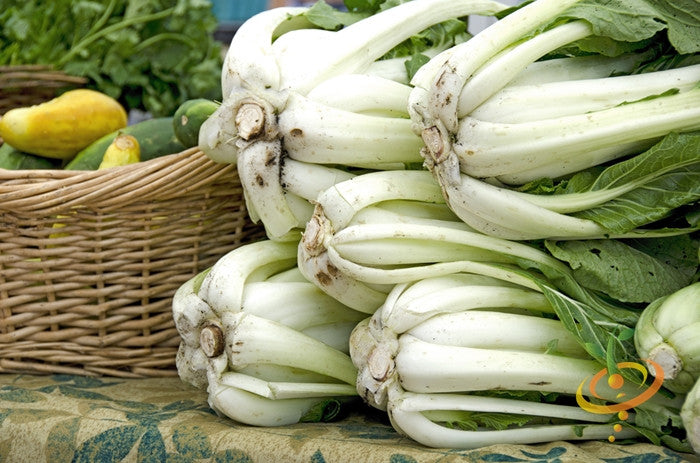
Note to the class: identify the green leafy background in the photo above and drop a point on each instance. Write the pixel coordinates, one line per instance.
(150, 54)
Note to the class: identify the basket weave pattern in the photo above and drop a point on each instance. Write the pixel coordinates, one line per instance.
(28, 85)
(90, 260)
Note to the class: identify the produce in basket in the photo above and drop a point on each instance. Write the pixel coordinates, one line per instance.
(63, 126)
(270, 348)
(13, 159)
(156, 138)
(189, 117)
(124, 150)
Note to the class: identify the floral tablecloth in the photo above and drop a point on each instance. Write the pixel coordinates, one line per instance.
(83, 419)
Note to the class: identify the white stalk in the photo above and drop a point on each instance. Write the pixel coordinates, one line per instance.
(509, 215)
(277, 390)
(690, 414)
(259, 172)
(525, 103)
(496, 249)
(498, 71)
(362, 93)
(222, 288)
(406, 213)
(217, 134)
(444, 77)
(426, 367)
(666, 333)
(316, 133)
(249, 60)
(406, 314)
(284, 374)
(408, 417)
(189, 310)
(487, 149)
(335, 334)
(412, 402)
(340, 203)
(315, 265)
(250, 340)
(308, 57)
(577, 68)
(308, 180)
(556, 168)
(484, 329)
(394, 252)
(678, 309)
(191, 364)
(298, 305)
(687, 342)
(391, 276)
(254, 410)
(292, 275)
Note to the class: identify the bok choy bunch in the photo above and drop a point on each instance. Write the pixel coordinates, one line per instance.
(380, 229)
(668, 332)
(295, 86)
(480, 113)
(270, 348)
(466, 360)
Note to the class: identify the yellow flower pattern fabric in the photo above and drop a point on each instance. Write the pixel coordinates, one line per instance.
(62, 418)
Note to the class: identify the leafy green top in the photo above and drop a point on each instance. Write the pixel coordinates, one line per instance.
(151, 54)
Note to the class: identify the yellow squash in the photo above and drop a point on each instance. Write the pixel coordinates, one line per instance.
(61, 127)
(123, 150)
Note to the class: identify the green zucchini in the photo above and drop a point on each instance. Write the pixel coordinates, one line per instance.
(14, 159)
(189, 117)
(155, 136)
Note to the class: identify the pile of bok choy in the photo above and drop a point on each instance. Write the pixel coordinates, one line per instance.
(268, 346)
(541, 175)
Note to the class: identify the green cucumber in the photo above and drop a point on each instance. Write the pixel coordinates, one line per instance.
(155, 136)
(189, 117)
(14, 159)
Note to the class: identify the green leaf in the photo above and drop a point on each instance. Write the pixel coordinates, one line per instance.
(599, 336)
(635, 20)
(329, 18)
(618, 270)
(323, 411)
(662, 179)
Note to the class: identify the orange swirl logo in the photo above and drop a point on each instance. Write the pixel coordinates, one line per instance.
(616, 381)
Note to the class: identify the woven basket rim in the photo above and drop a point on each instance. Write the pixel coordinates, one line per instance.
(33, 75)
(50, 191)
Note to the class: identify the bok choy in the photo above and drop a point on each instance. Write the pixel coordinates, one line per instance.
(467, 360)
(278, 74)
(269, 347)
(478, 119)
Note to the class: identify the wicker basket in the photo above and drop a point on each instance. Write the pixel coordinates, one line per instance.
(90, 260)
(32, 84)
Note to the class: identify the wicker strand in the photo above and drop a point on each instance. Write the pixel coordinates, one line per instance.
(90, 260)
